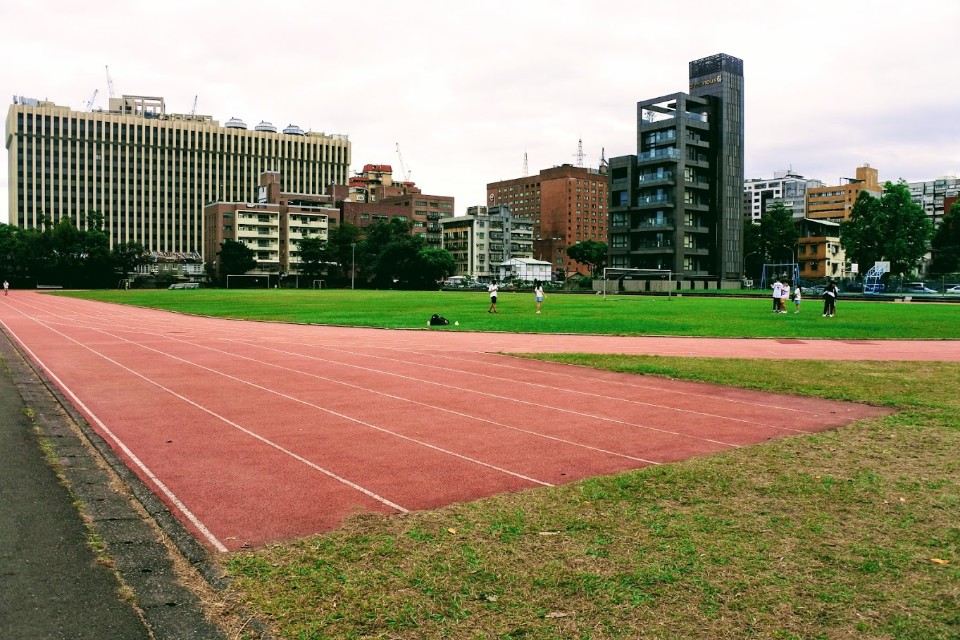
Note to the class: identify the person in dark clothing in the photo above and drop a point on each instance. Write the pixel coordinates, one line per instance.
(830, 299)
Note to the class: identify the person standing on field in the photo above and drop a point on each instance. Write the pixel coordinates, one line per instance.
(830, 299)
(538, 293)
(777, 288)
(797, 295)
(784, 296)
(493, 288)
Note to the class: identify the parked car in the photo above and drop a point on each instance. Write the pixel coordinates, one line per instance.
(918, 287)
(953, 290)
(874, 288)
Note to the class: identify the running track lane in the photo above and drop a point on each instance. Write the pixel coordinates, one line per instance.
(254, 432)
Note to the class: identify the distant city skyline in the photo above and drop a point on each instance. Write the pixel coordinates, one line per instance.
(467, 92)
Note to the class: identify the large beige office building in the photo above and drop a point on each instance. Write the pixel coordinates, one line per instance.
(149, 172)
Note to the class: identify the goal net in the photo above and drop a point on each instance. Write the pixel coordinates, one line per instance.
(318, 284)
(248, 281)
(613, 278)
(782, 270)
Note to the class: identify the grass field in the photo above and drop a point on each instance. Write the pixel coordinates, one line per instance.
(562, 313)
(852, 533)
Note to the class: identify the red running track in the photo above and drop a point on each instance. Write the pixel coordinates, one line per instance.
(254, 432)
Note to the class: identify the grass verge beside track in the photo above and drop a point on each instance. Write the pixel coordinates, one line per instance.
(562, 313)
(851, 533)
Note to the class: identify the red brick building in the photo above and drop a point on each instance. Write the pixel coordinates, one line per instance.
(374, 196)
(566, 204)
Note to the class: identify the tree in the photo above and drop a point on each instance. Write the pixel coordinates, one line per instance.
(127, 256)
(862, 234)
(430, 266)
(340, 247)
(384, 249)
(946, 243)
(236, 258)
(778, 234)
(312, 251)
(591, 253)
(891, 227)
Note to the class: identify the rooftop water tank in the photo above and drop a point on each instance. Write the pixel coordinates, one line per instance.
(265, 126)
(235, 123)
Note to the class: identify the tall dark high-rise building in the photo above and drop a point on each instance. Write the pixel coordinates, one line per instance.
(678, 203)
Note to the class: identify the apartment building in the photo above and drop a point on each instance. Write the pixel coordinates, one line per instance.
(677, 204)
(834, 203)
(373, 195)
(785, 186)
(564, 204)
(935, 195)
(491, 243)
(819, 252)
(271, 226)
(150, 172)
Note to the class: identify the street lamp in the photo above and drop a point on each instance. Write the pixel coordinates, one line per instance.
(353, 260)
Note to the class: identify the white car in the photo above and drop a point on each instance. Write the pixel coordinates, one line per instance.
(954, 289)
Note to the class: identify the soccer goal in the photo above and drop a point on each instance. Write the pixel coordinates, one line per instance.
(617, 274)
(248, 281)
(772, 271)
(318, 284)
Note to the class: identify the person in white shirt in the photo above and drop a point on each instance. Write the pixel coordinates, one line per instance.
(784, 296)
(797, 296)
(538, 294)
(493, 288)
(777, 290)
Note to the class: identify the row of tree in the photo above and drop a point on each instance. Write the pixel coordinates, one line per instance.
(66, 255)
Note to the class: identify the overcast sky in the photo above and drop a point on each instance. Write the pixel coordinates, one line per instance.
(466, 88)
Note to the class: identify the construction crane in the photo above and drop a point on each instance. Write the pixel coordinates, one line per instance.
(113, 93)
(403, 169)
(92, 99)
(193, 111)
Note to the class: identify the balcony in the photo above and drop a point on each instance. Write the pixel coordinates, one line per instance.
(669, 153)
(655, 201)
(665, 177)
(663, 222)
(652, 246)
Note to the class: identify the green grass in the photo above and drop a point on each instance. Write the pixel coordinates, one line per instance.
(562, 313)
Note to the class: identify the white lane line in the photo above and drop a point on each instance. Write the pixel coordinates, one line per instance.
(500, 397)
(579, 378)
(189, 515)
(324, 410)
(227, 421)
(403, 399)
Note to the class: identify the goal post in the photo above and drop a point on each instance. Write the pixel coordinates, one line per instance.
(779, 270)
(249, 280)
(619, 273)
(318, 284)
